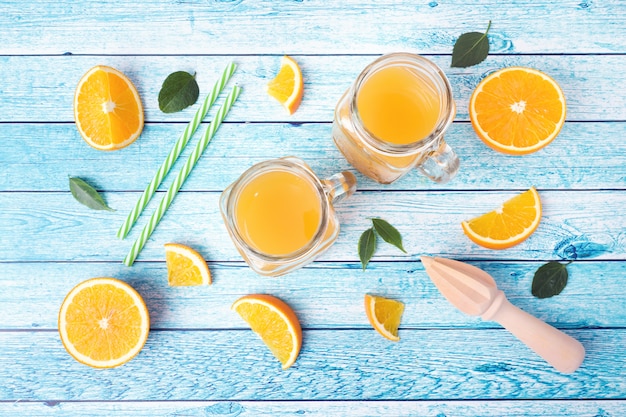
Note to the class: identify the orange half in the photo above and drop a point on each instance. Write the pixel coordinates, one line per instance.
(103, 322)
(517, 110)
(107, 109)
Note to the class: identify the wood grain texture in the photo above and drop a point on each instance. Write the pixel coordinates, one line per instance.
(577, 225)
(571, 162)
(332, 365)
(546, 408)
(41, 88)
(267, 27)
(201, 359)
(32, 294)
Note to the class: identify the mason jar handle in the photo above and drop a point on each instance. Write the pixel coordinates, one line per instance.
(340, 186)
(441, 164)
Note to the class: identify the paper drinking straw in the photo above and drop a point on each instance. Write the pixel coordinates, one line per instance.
(181, 177)
(175, 152)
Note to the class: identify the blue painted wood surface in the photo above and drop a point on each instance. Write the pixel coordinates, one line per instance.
(200, 358)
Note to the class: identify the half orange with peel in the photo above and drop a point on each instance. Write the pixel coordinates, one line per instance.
(384, 314)
(517, 110)
(512, 223)
(107, 109)
(275, 322)
(103, 322)
(287, 87)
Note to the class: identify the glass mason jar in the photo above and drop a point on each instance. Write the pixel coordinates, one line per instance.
(383, 160)
(284, 182)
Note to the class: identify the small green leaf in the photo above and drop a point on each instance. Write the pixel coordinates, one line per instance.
(367, 246)
(470, 49)
(549, 280)
(87, 195)
(389, 233)
(180, 90)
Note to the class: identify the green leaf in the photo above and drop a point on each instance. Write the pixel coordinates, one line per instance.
(549, 280)
(87, 195)
(367, 246)
(389, 233)
(470, 49)
(180, 90)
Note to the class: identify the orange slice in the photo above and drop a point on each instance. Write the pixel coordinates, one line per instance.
(287, 86)
(508, 225)
(103, 322)
(384, 315)
(276, 324)
(517, 110)
(185, 266)
(107, 109)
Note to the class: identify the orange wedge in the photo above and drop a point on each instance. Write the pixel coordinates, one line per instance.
(103, 322)
(517, 110)
(287, 86)
(384, 315)
(276, 324)
(107, 109)
(185, 266)
(508, 225)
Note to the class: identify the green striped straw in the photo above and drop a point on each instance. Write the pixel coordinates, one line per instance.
(175, 152)
(181, 177)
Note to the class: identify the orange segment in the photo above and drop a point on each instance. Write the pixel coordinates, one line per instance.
(384, 315)
(508, 225)
(517, 110)
(276, 324)
(287, 86)
(107, 109)
(185, 266)
(103, 322)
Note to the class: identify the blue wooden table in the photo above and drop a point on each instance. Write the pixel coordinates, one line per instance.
(200, 358)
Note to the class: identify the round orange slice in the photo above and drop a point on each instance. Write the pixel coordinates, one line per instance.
(103, 322)
(384, 315)
(517, 110)
(185, 266)
(107, 109)
(508, 225)
(287, 87)
(275, 322)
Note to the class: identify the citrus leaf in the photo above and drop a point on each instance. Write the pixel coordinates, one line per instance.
(179, 90)
(367, 246)
(389, 233)
(549, 280)
(87, 195)
(470, 49)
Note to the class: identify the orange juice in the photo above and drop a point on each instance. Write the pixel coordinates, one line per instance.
(397, 105)
(278, 212)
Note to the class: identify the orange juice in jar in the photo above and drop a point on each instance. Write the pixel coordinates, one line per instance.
(393, 118)
(281, 216)
(278, 212)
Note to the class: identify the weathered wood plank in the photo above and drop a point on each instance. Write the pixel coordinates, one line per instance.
(41, 88)
(32, 164)
(575, 224)
(521, 408)
(225, 27)
(323, 295)
(337, 365)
